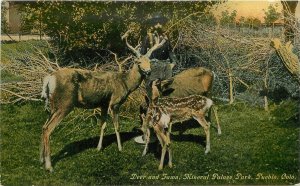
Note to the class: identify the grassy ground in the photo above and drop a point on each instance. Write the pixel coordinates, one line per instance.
(254, 148)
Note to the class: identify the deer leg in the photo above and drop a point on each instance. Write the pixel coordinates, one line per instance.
(115, 117)
(163, 154)
(163, 151)
(102, 123)
(201, 120)
(217, 119)
(42, 147)
(49, 126)
(147, 139)
(102, 128)
(164, 141)
(170, 157)
(169, 146)
(209, 115)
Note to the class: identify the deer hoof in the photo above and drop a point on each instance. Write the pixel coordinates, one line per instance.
(50, 169)
(170, 165)
(99, 148)
(207, 151)
(219, 132)
(42, 160)
(160, 167)
(144, 153)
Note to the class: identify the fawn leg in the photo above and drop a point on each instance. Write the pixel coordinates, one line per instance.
(164, 142)
(163, 152)
(147, 139)
(201, 120)
(217, 119)
(169, 146)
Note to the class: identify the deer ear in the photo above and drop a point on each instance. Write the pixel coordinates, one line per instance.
(166, 83)
(156, 82)
(172, 66)
(143, 116)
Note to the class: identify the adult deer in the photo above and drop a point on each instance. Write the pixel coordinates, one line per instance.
(68, 88)
(163, 112)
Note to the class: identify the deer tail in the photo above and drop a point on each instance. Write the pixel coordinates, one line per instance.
(49, 84)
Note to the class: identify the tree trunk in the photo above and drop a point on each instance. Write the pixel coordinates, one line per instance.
(266, 88)
(230, 88)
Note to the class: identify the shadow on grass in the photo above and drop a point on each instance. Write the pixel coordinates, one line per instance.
(155, 147)
(82, 145)
(190, 124)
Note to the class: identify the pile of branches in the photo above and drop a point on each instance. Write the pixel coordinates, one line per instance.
(246, 67)
(27, 71)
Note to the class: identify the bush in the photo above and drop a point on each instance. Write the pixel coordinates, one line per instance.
(88, 27)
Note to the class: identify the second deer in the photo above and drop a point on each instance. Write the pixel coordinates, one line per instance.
(163, 112)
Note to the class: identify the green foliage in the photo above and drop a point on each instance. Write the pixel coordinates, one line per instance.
(11, 51)
(271, 15)
(208, 18)
(242, 21)
(4, 24)
(250, 144)
(252, 22)
(92, 26)
(228, 18)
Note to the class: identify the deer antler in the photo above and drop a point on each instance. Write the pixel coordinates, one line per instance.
(156, 46)
(134, 50)
(120, 63)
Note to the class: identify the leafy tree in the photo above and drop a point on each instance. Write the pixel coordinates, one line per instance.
(208, 18)
(228, 18)
(4, 24)
(256, 23)
(252, 22)
(242, 21)
(79, 27)
(271, 15)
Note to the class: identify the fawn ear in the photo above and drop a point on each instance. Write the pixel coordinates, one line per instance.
(156, 82)
(143, 116)
(166, 83)
(172, 66)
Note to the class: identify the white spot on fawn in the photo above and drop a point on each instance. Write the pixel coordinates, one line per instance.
(164, 120)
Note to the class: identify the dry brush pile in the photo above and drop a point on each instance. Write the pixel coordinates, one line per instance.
(27, 69)
(246, 66)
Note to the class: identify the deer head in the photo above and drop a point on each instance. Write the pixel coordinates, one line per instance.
(143, 61)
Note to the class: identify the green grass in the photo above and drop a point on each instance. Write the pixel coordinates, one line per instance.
(18, 49)
(13, 53)
(253, 142)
